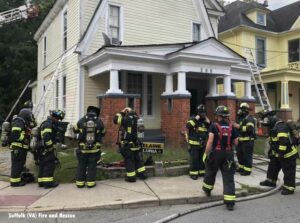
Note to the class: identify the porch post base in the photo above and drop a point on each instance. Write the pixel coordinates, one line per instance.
(285, 114)
(175, 112)
(110, 104)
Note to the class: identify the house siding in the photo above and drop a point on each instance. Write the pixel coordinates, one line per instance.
(144, 24)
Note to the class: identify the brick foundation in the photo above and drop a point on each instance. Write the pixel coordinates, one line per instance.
(110, 105)
(284, 114)
(175, 111)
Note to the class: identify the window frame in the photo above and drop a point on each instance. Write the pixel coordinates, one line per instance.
(56, 98)
(64, 92)
(121, 20)
(44, 51)
(264, 51)
(196, 23)
(64, 30)
(258, 14)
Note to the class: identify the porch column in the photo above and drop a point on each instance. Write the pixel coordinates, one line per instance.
(114, 83)
(285, 104)
(212, 87)
(248, 93)
(227, 86)
(169, 85)
(181, 84)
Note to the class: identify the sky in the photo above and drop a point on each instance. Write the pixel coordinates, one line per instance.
(275, 4)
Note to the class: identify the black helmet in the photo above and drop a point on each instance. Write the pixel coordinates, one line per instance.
(222, 110)
(26, 114)
(93, 109)
(268, 117)
(60, 115)
(200, 110)
(28, 104)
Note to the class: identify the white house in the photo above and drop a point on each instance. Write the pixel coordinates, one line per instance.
(168, 62)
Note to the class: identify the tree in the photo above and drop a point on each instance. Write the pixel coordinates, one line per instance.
(18, 54)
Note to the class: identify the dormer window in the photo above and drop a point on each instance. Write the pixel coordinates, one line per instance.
(261, 18)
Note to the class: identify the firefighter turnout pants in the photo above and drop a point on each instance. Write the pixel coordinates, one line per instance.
(245, 155)
(288, 166)
(197, 167)
(223, 160)
(87, 168)
(18, 160)
(134, 163)
(46, 168)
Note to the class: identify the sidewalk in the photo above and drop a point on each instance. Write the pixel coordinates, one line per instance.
(117, 194)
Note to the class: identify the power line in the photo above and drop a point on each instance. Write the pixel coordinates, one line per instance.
(274, 51)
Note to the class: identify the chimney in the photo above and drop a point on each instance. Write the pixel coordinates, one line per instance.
(266, 3)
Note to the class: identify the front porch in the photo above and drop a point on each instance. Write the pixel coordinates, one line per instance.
(165, 83)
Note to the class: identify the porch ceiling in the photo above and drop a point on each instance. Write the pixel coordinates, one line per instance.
(209, 56)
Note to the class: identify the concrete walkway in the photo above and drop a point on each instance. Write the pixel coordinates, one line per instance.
(117, 194)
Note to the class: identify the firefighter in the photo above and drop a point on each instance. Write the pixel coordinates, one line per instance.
(47, 159)
(283, 153)
(197, 126)
(90, 130)
(219, 155)
(19, 144)
(246, 139)
(130, 146)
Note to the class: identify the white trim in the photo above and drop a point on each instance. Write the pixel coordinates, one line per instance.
(44, 52)
(203, 16)
(93, 28)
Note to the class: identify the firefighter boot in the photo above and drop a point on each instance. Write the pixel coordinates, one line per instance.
(130, 179)
(267, 183)
(286, 191)
(50, 185)
(230, 206)
(142, 176)
(19, 184)
(207, 192)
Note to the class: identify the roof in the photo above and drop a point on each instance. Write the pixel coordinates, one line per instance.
(236, 16)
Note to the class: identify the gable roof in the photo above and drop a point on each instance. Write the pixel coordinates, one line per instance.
(236, 16)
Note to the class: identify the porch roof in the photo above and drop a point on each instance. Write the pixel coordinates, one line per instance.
(208, 56)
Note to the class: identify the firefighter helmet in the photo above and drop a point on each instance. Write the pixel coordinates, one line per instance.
(244, 106)
(266, 113)
(200, 110)
(93, 109)
(28, 104)
(222, 111)
(59, 114)
(26, 115)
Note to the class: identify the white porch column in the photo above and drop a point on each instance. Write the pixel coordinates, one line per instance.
(212, 86)
(169, 85)
(285, 104)
(114, 83)
(248, 93)
(181, 84)
(227, 86)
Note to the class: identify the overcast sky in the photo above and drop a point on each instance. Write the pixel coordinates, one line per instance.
(275, 4)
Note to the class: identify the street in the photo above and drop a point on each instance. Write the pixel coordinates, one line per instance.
(275, 209)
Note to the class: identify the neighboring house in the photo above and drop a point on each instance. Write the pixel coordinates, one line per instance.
(274, 37)
(169, 61)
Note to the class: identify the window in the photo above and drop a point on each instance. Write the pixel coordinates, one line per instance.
(57, 94)
(261, 51)
(64, 92)
(261, 18)
(143, 85)
(114, 22)
(45, 51)
(65, 30)
(196, 32)
(294, 52)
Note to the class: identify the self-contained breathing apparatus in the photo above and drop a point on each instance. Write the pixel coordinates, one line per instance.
(5, 133)
(90, 133)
